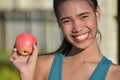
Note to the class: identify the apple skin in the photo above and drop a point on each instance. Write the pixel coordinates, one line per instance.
(24, 43)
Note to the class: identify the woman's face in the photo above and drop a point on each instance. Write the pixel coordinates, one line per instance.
(78, 22)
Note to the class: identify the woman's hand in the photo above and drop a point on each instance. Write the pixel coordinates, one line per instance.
(25, 64)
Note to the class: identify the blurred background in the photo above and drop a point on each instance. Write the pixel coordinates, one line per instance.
(37, 17)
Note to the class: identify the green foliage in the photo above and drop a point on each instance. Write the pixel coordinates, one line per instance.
(7, 70)
(8, 74)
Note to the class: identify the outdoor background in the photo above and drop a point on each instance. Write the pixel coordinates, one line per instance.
(37, 17)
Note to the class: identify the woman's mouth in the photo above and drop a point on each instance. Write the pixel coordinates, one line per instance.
(81, 38)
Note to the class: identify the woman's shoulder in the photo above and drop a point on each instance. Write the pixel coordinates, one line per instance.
(43, 66)
(114, 72)
(45, 60)
(116, 69)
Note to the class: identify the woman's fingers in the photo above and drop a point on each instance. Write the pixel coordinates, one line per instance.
(15, 58)
(14, 55)
(34, 55)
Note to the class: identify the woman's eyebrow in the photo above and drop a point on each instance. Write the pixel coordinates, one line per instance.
(64, 18)
(83, 13)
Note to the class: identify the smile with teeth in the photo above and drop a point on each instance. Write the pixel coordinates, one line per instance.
(82, 37)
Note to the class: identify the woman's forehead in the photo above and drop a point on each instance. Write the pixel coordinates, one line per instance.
(72, 8)
(74, 4)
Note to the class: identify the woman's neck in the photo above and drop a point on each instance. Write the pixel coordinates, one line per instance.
(89, 54)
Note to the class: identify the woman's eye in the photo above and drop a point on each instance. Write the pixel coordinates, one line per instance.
(84, 17)
(66, 21)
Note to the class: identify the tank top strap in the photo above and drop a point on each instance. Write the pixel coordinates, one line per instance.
(101, 69)
(56, 69)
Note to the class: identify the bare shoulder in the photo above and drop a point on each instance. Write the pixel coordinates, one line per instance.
(45, 59)
(116, 69)
(43, 66)
(114, 73)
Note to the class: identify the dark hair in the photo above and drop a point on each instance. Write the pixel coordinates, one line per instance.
(56, 3)
(66, 46)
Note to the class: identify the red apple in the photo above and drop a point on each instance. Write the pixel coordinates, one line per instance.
(24, 43)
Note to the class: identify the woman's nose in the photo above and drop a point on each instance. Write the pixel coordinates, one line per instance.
(77, 26)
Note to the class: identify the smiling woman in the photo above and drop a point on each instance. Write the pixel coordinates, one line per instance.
(78, 20)
(68, 20)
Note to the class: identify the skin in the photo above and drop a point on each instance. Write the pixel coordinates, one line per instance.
(77, 19)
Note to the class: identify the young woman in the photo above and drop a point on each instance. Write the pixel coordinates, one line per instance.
(79, 57)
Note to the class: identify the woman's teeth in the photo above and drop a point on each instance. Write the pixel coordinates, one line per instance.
(82, 37)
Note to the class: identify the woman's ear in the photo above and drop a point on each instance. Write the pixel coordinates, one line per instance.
(98, 13)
